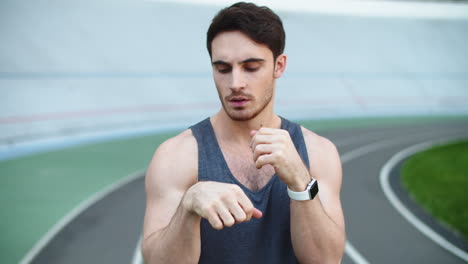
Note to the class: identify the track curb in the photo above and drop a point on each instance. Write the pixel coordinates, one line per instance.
(389, 170)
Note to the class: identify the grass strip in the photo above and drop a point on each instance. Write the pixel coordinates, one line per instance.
(437, 179)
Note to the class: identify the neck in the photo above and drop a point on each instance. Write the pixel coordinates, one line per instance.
(232, 130)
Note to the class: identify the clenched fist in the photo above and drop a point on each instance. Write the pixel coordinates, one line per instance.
(275, 147)
(221, 204)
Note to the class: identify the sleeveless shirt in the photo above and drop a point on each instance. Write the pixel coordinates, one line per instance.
(264, 240)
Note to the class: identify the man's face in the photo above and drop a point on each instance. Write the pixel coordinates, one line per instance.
(244, 73)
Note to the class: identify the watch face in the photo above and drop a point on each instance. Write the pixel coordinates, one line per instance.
(313, 190)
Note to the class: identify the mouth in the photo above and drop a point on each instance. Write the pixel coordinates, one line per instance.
(238, 101)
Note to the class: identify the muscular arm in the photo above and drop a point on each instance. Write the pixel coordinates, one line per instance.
(317, 226)
(176, 202)
(169, 226)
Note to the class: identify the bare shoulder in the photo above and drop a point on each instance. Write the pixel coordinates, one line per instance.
(185, 141)
(175, 163)
(324, 159)
(317, 143)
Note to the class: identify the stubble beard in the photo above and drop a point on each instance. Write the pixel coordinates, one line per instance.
(250, 113)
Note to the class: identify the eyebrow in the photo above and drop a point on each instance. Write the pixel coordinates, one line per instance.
(220, 62)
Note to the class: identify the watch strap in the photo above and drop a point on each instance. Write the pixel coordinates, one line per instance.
(309, 193)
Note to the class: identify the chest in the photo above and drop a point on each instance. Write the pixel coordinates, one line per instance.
(240, 162)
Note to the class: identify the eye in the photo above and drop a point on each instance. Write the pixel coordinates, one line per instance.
(252, 66)
(223, 68)
(251, 69)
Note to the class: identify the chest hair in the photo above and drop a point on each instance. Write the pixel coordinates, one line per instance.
(242, 166)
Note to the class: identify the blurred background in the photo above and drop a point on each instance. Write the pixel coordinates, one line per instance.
(114, 78)
(68, 68)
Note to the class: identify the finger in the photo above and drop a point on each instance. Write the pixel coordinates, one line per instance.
(215, 221)
(246, 206)
(265, 139)
(257, 213)
(262, 150)
(254, 142)
(226, 216)
(265, 159)
(238, 213)
(252, 134)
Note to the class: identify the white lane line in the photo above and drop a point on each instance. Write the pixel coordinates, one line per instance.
(353, 154)
(350, 250)
(33, 252)
(137, 257)
(354, 254)
(369, 8)
(423, 228)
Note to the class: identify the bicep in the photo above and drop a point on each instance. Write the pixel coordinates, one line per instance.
(329, 178)
(325, 166)
(171, 172)
(160, 206)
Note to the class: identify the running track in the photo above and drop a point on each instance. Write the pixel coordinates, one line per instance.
(108, 231)
(354, 65)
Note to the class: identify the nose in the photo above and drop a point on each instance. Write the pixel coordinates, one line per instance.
(238, 80)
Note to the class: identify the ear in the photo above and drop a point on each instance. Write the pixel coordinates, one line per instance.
(280, 66)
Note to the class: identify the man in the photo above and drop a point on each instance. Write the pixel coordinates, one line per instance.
(241, 186)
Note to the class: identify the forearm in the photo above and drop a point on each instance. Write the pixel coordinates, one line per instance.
(179, 242)
(316, 238)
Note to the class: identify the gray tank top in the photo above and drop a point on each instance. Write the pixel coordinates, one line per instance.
(264, 240)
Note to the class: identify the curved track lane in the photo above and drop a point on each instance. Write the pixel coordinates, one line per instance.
(108, 231)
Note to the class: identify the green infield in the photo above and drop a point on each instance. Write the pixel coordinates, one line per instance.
(437, 179)
(37, 191)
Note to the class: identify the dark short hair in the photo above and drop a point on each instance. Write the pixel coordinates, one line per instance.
(259, 23)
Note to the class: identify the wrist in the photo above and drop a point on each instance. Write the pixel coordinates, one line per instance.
(299, 184)
(187, 201)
